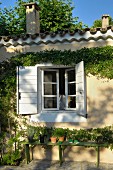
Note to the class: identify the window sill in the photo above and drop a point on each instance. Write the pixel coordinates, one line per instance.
(57, 116)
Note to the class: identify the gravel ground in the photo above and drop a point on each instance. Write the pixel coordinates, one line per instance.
(54, 165)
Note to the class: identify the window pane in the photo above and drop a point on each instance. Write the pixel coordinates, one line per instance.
(62, 102)
(71, 89)
(71, 75)
(50, 102)
(62, 81)
(71, 102)
(50, 89)
(49, 76)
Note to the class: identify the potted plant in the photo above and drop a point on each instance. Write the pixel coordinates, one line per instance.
(36, 133)
(30, 133)
(53, 137)
(43, 134)
(60, 134)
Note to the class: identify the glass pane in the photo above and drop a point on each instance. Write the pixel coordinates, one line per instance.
(62, 102)
(71, 89)
(50, 102)
(71, 102)
(50, 89)
(71, 75)
(49, 76)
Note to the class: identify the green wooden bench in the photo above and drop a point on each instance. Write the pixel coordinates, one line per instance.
(62, 146)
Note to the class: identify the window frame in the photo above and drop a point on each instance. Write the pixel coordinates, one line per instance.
(57, 85)
(57, 90)
(66, 87)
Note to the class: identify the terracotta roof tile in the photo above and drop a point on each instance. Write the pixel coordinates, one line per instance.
(86, 34)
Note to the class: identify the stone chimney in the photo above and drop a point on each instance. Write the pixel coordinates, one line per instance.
(105, 21)
(32, 18)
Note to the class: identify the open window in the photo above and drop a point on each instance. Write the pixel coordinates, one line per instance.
(50, 88)
(59, 89)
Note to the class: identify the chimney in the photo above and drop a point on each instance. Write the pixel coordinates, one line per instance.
(32, 18)
(105, 21)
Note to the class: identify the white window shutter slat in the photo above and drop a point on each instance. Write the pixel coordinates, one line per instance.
(27, 90)
(81, 89)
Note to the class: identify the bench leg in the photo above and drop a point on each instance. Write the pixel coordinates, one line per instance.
(98, 155)
(27, 153)
(60, 155)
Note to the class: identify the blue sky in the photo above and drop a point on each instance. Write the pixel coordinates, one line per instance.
(86, 10)
(90, 10)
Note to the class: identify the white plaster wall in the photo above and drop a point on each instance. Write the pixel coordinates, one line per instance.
(7, 52)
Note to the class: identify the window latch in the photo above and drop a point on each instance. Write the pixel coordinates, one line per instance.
(19, 95)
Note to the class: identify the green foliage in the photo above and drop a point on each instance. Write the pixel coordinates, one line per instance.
(98, 60)
(36, 133)
(58, 132)
(11, 158)
(54, 15)
(102, 134)
(69, 134)
(2, 137)
(97, 23)
(57, 15)
(33, 132)
(12, 155)
(81, 135)
(30, 130)
(97, 135)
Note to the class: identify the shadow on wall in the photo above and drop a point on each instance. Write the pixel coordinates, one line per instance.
(8, 52)
(99, 113)
(101, 109)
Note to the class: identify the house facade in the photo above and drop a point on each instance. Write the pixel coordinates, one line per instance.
(61, 95)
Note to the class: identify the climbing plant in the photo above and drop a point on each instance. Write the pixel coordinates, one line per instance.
(98, 61)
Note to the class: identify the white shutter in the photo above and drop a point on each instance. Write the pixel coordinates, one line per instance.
(27, 90)
(80, 89)
(39, 89)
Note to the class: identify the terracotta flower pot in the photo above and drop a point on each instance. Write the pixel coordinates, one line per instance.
(53, 139)
(61, 139)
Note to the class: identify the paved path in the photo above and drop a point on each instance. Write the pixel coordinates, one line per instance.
(54, 165)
